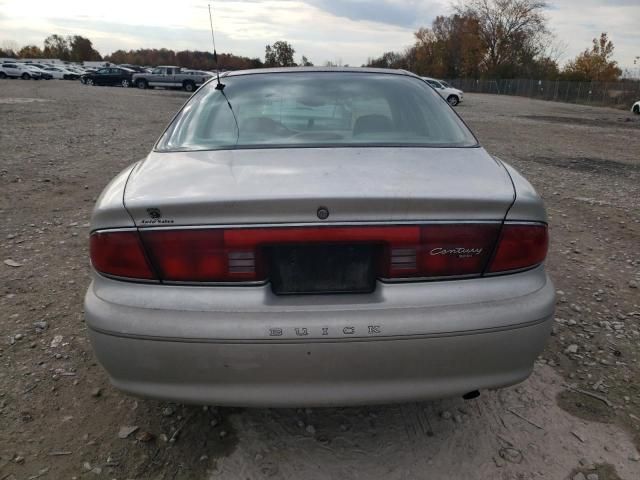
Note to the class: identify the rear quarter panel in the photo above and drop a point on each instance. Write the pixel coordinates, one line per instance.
(528, 205)
(109, 211)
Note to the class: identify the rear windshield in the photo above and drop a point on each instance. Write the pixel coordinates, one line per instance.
(315, 109)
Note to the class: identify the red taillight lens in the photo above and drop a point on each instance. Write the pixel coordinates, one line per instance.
(449, 250)
(238, 254)
(119, 254)
(444, 251)
(200, 256)
(520, 246)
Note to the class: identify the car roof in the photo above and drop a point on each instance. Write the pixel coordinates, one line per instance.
(264, 71)
(167, 66)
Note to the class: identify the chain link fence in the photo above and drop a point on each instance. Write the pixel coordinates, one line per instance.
(618, 94)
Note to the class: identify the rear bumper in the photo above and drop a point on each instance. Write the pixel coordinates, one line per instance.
(320, 374)
(433, 347)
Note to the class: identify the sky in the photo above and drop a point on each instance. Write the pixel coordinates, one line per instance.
(348, 31)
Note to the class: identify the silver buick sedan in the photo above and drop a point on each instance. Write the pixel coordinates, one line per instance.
(311, 237)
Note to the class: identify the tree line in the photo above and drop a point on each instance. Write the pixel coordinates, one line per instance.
(75, 48)
(498, 39)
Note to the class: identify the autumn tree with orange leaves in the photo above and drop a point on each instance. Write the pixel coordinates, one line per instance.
(595, 64)
(483, 38)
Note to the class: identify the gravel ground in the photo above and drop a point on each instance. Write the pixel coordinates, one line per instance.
(577, 417)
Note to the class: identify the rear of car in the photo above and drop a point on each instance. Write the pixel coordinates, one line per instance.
(310, 237)
(43, 74)
(29, 73)
(57, 72)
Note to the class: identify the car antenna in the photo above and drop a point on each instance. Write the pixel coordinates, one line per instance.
(220, 85)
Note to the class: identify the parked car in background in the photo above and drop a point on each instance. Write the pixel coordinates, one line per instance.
(61, 73)
(43, 73)
(109, 76)
(452, 95)
(87, 71)
(18, 70)
(170, 77)
(41, 66)
(636, 108)
(318, 237)
(9, 70)
(203, 73)
(74, 69)
(135, 68)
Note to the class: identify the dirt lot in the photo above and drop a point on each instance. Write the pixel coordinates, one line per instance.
(579, 413)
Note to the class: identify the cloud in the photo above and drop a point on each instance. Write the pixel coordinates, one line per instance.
(577, 22)
(350, 30)
(242, 27)
(409, 13)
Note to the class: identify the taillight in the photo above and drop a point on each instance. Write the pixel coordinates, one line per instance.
(236, 255)
(520, 246)
(444, 251)
(201, 256)
(119, 254)
(239, 254)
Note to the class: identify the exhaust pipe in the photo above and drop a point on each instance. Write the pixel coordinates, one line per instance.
(471, 395)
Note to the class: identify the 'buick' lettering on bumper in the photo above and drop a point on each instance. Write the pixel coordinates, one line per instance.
(348, 331)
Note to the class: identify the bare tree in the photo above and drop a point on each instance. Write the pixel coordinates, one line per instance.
(334, 63)
(9, 48)
(506, 28)
(56, 46)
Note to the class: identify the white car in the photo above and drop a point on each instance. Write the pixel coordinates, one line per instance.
(62, 73)
(636, 108)
(446, 91)
(38, 69)
(74, 69)
(18, 70)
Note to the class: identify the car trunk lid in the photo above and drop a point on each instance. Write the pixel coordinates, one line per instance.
(289, 186)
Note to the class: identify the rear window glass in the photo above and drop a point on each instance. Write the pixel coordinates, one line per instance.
(315, 109)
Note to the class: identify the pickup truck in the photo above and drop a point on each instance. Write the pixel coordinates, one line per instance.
(169, 77)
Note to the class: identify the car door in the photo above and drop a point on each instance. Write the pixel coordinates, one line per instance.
(101, 77)
(156, 76)
(168, 78)
(11, 70)
(174, 77)
(111, 76)
(115, 75)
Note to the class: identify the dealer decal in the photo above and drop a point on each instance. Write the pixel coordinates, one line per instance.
(156, 218)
